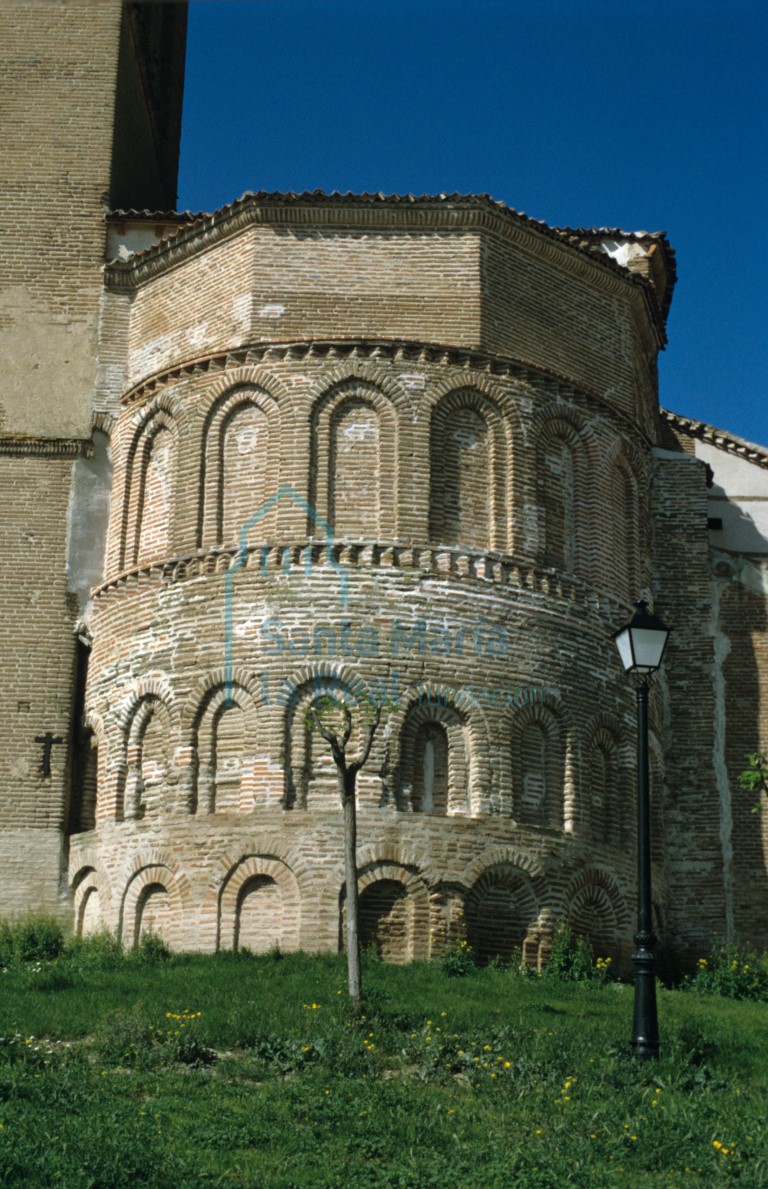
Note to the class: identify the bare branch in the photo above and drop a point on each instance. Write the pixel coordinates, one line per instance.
(337, 742)
(347, 725)
(370, 731)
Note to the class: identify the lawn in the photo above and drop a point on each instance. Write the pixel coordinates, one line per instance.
(240, 1070)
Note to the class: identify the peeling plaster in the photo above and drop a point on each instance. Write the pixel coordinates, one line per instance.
(721, 649)
(739, 498)
(37, 344)
(413, 380)
(152, 355)
(123, 241)
(753, 577)
(87, 518)
(624, 252)
(197, 336)
(241, 312)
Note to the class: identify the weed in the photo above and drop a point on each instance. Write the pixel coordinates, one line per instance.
(459, 960)
(150, 950)
(132, 1043)
(734, 971)
(98, 951)
(35, 939)
(572, 960)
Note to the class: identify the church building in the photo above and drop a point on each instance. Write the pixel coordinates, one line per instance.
(399, 449)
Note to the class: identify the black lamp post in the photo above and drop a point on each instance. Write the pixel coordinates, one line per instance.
(641, 645)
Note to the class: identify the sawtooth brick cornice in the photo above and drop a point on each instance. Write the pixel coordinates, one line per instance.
(21, 445)
(373, 350)
(451, 562)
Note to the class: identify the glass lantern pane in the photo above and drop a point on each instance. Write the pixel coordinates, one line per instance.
(624, 645)
(648, 644)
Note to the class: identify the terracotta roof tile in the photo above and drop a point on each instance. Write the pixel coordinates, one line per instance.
(720, 438)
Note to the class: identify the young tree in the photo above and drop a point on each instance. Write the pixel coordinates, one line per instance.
(331, 718)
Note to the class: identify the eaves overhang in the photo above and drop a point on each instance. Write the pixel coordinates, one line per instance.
(578, 250)
(721, 439)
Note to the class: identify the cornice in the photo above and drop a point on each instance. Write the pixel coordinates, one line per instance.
(104, 422)
(443, 213)
(342, 348)
(21, 445)
(445, 561)
(723, 440)
(399, 351)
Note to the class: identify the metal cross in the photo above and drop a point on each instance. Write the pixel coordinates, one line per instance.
(47, 741)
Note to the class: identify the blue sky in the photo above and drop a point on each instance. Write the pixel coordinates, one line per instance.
(643, 116)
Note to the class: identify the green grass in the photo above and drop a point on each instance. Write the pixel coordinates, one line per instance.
(491, 1079)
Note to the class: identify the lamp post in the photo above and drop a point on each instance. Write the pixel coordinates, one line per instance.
(641, 645)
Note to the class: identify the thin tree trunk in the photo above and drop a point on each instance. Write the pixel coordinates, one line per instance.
(347, 781)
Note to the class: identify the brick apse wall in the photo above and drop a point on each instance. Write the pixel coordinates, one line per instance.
(489, 531)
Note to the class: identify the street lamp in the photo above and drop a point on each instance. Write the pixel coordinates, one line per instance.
(641, 645)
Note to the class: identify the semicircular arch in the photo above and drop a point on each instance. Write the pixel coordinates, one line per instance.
(354, 428)
(145, 879)
(284, 905)
(468, 739)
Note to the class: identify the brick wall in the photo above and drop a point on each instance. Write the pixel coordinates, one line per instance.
(454, 779)
(448, 273)
(698, 894)
(741, 600)
(58, 61)
(59, 65)
(60, 95)
(476, 503)
(38, 650)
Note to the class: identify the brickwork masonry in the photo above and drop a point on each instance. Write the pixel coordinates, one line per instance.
(406, 448)
(450, 599)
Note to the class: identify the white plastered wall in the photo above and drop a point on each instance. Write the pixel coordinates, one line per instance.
(738, 497)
